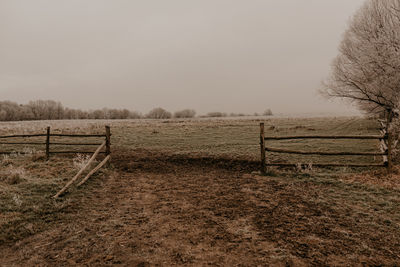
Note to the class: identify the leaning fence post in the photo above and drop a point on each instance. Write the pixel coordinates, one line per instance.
(262, 147)
(108, 141)
(48, 143)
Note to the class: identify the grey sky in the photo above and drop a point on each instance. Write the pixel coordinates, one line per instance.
(210, 55)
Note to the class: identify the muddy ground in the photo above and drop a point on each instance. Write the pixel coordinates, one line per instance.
(160, 209)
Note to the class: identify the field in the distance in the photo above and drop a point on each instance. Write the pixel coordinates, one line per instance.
(184, 192)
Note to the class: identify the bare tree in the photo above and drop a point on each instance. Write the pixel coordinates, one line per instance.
(158, 113)
(186, 113)
(216, 114)
(9, 111)
(367, 68)
(52, 110)
(135, 115)
(268, 112)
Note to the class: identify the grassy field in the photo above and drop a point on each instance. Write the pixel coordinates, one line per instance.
(220, 137)
(186, 192)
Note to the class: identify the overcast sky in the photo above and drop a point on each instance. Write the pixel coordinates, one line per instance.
(209, 55)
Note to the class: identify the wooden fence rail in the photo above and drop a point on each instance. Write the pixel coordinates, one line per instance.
(47, 142)
(22, 135)
(385, 150)
(360, 137)
(287, 151)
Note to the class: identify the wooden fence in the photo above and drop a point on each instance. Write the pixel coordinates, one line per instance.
(47, 142)
(386, 150)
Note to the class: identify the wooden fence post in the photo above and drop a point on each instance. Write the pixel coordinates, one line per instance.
(108, 141)
(48, 143)
(389, 151)
(389, 139)
(262, 148)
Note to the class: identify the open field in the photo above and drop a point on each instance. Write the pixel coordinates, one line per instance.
(185, 193)
(219, 137)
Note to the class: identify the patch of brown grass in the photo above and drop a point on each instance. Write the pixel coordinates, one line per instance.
(11, 174)
(14, 178)
(27, 184)
(161, 209)
(379, 178)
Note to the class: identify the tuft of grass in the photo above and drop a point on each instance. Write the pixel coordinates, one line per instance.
(12, 175)
(80, 161)
(13, 178)
(6, 160)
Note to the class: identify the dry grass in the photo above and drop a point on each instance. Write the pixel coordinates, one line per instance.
(378, 178)
(164, 209)
(222, 137)
(26, 186)
(180, 192)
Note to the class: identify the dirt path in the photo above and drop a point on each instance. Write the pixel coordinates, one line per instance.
(185, 211)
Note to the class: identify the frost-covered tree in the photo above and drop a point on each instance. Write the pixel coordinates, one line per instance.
(158, 113)
(186, 113)
(268, 112)
(367, 68)
(52, 110)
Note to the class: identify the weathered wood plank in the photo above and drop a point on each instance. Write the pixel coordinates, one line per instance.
(21, 135)
(80, 172)
(287, 151)
(262, 148)
(326, 165)
(14, 152)
(78, 135)
(48, 143)
(20, 143)
(108, 140)
(361, 137)
(75, 144)
(75, 152)
(101, 164)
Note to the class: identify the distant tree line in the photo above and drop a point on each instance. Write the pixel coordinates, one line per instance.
(53, 110)
(217, 114)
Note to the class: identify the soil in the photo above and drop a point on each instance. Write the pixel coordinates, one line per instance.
(161, 209)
